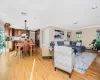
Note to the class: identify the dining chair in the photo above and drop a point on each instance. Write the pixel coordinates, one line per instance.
(26, 48)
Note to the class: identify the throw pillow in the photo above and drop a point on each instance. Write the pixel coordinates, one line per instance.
(78, 44)
(66, 43)
(55, 43)
(60, 43)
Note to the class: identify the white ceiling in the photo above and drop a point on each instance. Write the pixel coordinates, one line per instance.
(42, 13)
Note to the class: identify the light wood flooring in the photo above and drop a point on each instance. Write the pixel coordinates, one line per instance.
(21, 69)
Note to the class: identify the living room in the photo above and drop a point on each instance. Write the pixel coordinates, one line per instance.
(62, 37)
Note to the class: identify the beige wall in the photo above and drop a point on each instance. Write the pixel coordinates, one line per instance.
(88, 34)
(57, 28)
(51, 32)
(45, 40)
(1, 22)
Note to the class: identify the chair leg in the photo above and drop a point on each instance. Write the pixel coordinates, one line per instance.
(70, 75)
(20, 53)
(55, 68)
(23, 54)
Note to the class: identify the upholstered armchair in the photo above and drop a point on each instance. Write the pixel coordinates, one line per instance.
(64, 58)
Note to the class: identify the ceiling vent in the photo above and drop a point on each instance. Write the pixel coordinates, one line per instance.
(75, 23)
(23, 13)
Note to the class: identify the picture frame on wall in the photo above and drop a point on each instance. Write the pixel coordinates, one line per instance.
(68, 36)
(59, 34)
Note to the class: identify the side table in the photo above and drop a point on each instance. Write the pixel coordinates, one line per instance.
(99, 52)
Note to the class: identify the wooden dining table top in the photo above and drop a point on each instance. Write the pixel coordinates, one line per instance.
(21, 44)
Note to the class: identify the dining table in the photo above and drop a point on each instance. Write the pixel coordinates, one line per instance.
(20, 46)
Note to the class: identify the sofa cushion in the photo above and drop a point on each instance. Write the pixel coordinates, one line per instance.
(60, 43)
(55, 43)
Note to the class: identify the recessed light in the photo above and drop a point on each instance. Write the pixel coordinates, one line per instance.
(94, 7)
(75, 23)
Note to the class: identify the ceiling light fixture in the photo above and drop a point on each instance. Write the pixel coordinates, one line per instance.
(25, 24)
(34, 18)
(26, 28)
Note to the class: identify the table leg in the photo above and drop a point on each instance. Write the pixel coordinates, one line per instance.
(19, 52)
(31, 50)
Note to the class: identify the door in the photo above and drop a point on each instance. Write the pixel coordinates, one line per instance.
(46, 38)
(45, 42)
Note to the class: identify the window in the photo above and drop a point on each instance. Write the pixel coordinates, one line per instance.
(79, 36)
(2, 39)
(98, 37)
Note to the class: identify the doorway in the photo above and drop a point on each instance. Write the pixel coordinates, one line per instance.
(37, 38)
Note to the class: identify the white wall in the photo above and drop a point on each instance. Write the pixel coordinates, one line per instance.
(45, 37)
(32, 36)
(1, 22)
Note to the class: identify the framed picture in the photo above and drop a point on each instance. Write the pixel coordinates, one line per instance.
(59, 34)
(68, 36)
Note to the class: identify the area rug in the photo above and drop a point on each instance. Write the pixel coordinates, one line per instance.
(83, 61)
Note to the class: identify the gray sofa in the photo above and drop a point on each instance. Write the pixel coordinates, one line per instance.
(77, 49)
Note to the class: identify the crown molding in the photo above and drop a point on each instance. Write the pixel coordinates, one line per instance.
(87, 27)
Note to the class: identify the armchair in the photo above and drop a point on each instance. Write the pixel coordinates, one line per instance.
(64, 58)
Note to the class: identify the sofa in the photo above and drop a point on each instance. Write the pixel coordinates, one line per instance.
(77, 46)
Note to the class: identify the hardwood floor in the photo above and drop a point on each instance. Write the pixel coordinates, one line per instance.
(3, 67)
(42, 69)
